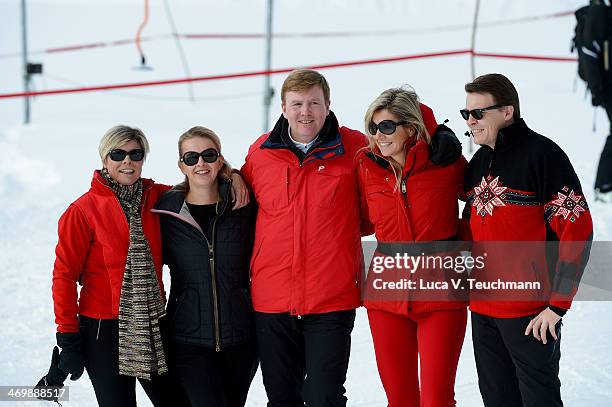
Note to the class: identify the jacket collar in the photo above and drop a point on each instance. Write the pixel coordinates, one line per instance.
(328, 144)
(417, 157)
(99, 185)
(511, 135)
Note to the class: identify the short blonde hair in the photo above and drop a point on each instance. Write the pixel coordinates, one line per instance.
(206, 133)
(304, 79)
(117, 136)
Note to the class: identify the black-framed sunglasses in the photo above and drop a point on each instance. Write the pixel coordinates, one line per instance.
(210, 155)
(119, 154)
(385, 127)
(476, 113)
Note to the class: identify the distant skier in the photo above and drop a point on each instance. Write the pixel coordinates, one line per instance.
(592, 41)
(521, 187)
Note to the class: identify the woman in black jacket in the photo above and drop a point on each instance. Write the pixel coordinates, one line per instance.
(207, 247)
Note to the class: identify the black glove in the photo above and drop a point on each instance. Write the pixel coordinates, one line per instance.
(445, 147)
(71, 358)
(596, 98)
(55, 376)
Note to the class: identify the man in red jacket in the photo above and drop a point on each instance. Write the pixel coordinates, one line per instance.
(521, 187)
(307, 259)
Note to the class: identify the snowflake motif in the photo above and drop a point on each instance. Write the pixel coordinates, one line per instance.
(568, 205)
(488, 195)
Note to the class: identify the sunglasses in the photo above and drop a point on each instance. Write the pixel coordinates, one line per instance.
(119, 155)
(385, 127)
(476, 113)
(209, 155)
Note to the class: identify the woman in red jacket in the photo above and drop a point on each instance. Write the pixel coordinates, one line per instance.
(411, 176)
(109, 242)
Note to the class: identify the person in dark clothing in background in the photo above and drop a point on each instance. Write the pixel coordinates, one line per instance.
(207, 246)
(594, 55)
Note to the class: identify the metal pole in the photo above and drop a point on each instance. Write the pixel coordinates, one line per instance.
(267, 93)
(26, 75)
(472, 62)
(473, 45)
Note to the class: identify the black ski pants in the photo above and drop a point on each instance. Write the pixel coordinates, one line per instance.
(215, 379)
(515, 370)
(101, 352)
(603, 180)
(304, 359)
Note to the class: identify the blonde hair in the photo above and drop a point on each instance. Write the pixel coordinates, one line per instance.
(404, 104)
(205, 133)
(304, 79)
(117, 136)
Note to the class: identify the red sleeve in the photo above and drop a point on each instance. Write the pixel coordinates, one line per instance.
(567, 215)
(71, 251)
(367, 227)
(247, 168)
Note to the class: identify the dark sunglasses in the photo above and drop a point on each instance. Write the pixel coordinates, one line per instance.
(385, 127)
(209, 155)
(476, 113)
(119, 155)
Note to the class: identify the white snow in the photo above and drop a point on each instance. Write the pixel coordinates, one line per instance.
(46, 165)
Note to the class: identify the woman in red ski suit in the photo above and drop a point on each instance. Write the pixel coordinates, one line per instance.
(411, 177)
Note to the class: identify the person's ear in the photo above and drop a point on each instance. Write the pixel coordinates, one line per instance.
(509, 112)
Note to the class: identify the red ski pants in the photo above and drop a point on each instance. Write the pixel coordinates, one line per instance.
(399, 341)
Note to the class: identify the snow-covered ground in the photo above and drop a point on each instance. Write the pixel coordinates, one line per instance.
(47, 164)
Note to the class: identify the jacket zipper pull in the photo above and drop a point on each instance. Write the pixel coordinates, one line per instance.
(403, 187)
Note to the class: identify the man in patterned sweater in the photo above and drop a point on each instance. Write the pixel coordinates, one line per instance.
(521, 187)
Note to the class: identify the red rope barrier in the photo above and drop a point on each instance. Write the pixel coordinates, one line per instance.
(529, 57)
(286, 70)
(229, 76)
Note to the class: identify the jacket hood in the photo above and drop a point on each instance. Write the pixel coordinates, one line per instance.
(444, 149)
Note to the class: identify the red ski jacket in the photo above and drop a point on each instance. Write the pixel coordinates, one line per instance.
(92, 249)
(307, 256)
(423, 209)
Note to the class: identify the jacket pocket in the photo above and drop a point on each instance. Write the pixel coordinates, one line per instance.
(185, 315)
(324, 182)
(272, 188)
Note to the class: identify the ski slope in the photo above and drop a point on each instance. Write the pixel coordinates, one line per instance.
(46, 165)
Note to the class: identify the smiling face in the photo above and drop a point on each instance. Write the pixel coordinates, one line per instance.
(306, 112)
(126, 171)
(391, 145)
(486, 129)
(202, 174)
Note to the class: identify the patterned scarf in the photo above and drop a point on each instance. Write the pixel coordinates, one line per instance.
(140, 305)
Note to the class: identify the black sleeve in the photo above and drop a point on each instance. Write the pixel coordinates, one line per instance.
(595, 31)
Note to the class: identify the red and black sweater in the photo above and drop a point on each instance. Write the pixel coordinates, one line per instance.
(527, 190)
